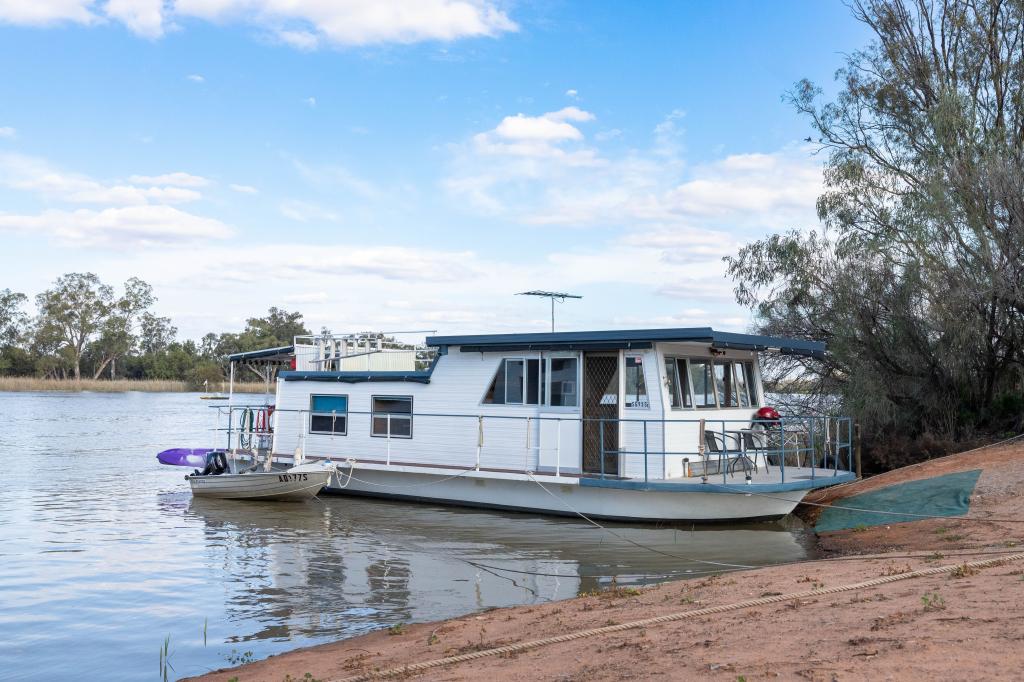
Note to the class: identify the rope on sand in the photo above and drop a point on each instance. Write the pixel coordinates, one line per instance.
(415, 668)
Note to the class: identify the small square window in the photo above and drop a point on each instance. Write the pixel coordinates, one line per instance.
(328, 414)
(391, 417)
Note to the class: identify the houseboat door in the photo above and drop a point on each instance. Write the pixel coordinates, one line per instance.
(601, 413)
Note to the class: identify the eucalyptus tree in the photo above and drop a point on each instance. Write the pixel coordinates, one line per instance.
(916, 278)
(72, 313)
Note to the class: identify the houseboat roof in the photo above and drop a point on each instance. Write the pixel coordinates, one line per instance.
(614, 339)
(281, 353)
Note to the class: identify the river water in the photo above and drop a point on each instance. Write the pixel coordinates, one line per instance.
(105, 556)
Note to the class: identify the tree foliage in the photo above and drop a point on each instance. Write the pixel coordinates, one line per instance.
(916, 280)
(81, 325)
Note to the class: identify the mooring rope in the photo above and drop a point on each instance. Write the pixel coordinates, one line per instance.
(510, 649)
(630, 541)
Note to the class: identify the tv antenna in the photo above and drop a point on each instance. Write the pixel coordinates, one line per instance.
(553, 295)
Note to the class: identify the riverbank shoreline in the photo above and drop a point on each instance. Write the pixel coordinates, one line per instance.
(962, 623)
(35, 385)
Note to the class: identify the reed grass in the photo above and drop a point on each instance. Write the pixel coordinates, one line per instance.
(21, 384)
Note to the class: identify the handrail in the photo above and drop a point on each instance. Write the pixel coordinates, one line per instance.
(642, 449)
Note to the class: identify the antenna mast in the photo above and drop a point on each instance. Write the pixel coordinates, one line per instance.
(553, 295)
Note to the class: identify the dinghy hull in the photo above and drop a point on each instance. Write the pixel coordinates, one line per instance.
(276, 485)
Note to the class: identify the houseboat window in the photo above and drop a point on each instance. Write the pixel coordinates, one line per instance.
(673, 383)
(678, 383)
(636, 387)
(563, 382)
(534, 382)
(517, 382)
(395, 411)
(514, 380)
(703, 383)
(725, 385)
(496, 392)
(328, 414)
(745, 383)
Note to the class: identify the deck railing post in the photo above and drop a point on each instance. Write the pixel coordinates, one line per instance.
(721, 453)
(645, 451)
(814, 449)
(600, 425)
(479, 439)
(558, 447)
(701, 450)
(389, 438)
(526, 454)
(856, 435)
(782, 451)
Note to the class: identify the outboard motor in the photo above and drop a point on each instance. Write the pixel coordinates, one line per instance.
(216, 464)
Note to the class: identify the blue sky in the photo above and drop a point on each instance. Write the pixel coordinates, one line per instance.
(395, 165)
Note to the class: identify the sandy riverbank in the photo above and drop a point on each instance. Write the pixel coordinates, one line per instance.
(965, 624)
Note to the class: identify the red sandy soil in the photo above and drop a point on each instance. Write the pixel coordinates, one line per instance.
(965, 625)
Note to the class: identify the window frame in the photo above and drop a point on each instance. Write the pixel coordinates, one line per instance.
(374, 414)
(681, 380)
(313, 413)
(543, 378)
(625, 381)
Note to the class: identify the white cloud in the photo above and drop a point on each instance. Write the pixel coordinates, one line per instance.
(177, 179)
(45, 12)
(310, 102)
(244, 189)
(305, 212)
(142, 17)
(574, 94)
(539, 170)
(196, 78)
(334, 176)
(304, 24)
(7, 131)
(37, 175)
(121, 227)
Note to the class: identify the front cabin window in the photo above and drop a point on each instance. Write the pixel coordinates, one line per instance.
(534, 381)
(391, 416)
(328, 414)
(708, 384)
(678, 383)
(636, 386)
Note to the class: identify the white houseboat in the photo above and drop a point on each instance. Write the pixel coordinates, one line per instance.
(650, 424)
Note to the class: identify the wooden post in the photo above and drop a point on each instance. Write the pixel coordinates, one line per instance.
(856, 450)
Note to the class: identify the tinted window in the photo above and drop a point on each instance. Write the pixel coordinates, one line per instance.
(636, 386)
(563, 382)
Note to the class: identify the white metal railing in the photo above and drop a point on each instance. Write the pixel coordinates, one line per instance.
(363, 351)
(634, 449)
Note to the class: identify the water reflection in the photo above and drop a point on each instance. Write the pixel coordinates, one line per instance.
(108, 552)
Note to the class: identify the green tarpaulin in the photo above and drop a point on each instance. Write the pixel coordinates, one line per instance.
(947, 495)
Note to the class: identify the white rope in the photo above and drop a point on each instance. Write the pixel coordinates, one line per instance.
(510, 649)
(630, 541)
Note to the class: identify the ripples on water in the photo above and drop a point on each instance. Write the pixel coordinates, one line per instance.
(104, 553)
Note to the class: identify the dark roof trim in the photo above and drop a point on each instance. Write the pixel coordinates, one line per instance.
(602, 345)
(283, 351)
(358, 377)
(418, 377)
(577, 340)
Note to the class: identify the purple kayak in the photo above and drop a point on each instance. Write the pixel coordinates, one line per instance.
(185, 457)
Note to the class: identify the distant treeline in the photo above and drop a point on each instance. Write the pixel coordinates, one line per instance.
(83, 328)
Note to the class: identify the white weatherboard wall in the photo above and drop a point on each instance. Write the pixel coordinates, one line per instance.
(457, 387)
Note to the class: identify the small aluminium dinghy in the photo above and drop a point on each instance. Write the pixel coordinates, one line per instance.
(216, 479)
(297, 483)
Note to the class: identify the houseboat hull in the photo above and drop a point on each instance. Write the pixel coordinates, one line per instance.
(715, 501)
